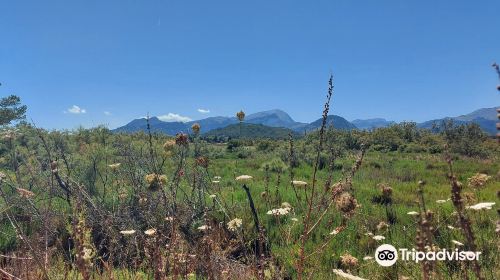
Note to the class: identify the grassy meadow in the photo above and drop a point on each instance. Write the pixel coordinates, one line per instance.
(91, 204)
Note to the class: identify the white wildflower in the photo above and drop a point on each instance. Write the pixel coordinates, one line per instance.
(481, 206)
(286, 205)
(244, 178)
(127, 232)
(87, 254)
(412, 213)
(234, 224)
(378, 237)
(458, 243)
(335, 232)
(150, 232)
(299, 183)
(203, 227)
(114, 165)
(341, 273)
(278, 211)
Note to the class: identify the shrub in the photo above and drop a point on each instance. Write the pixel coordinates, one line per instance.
(275, 165)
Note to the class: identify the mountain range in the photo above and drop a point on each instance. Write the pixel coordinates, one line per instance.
(485, 117)
(272, 118)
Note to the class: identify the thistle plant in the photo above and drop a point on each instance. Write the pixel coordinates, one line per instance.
(241, 117)
(464, 221)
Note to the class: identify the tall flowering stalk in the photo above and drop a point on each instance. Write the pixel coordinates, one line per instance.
(464, 221)
(497, 69)
(310, 201)
(316, 207)
(241, 117)
(424, 232)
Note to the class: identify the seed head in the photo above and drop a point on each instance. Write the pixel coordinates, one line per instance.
(169, 146)
(348, 261)
(181, 139)
(202, 161)
(156, 181)
(346, 203)
(240, 115)
(196, 128)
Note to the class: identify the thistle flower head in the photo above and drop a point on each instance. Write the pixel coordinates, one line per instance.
(478, 180)
(202, 162)
(196, 128)
(156, 181)
(346, 203)
(169, 146)
(240, 115)
(181, 139)
(53, 166)
(25, 193)
(348, 261)
(385, 189)
(382, 226)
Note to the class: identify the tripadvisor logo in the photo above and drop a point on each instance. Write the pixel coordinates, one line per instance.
(387, 255)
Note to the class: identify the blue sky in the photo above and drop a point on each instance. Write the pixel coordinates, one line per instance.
(119, 60)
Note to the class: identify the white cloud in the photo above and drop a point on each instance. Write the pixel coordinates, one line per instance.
(76, 110)
(107, 113)
(204, 111)
(172, 117)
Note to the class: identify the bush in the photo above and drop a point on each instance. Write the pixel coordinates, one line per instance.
(275, 165)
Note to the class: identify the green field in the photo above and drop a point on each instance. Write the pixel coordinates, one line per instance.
(76, 228)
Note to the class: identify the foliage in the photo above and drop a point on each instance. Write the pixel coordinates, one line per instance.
(107, 176)
(11, 109)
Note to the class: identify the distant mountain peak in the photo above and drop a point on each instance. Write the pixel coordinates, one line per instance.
(280, 114)
(371, 123)
(485, 113)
